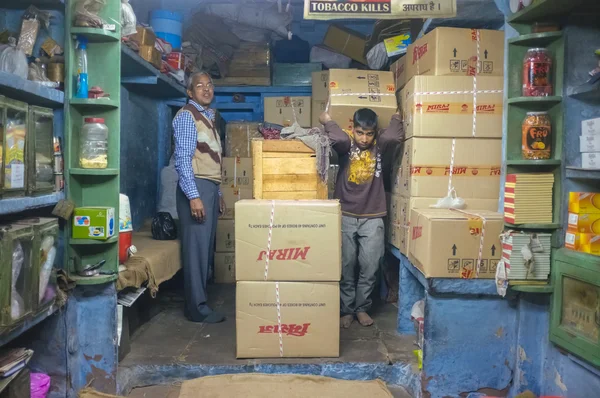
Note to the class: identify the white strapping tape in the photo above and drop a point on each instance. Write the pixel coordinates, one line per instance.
(451, 171)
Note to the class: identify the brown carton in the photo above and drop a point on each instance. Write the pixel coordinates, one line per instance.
(346, 41)
(283, 110)
(144, 36)
(224, 267)
(225, 240)
(238, 138)
(446, 243)
(454, 52)
(351, 89)
(318, 107)
(231, 196)
(304, 238)
(398, 68)
(320, 90)
(251, 60)
(237, 172)
(152, 55)
(425, 169)
(309, 325)
(428, 113)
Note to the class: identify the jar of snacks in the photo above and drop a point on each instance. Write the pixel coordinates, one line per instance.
(537, 136)
(93, 152)
(537, 73)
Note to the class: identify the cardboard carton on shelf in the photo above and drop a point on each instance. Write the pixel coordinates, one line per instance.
(304, 237)
(309, 319)
(224, 267)
(251, 60)
(454, 52)
(425, 169)
(346, 41)
(237, 172)
(320, 89)
(590, 127)
(152, 55)
(590, 160)
(589, 143)
(584, 202)
(225, 236)
(144, 36)
(231, 196)
(398, 68)
(351, 89)
(584, 223)
(427, 113)
(446, 243)
(283, 110)
(582, 242)
(318, 107)
(238, 138)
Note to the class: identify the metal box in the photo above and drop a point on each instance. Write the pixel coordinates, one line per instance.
(13, 155)
(40, 151)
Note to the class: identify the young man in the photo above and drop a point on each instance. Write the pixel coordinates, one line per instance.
(199, 201)
(359, 187)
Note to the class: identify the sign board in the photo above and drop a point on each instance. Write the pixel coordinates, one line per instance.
(378, 9)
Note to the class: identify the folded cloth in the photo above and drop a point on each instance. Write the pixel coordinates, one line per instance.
(317, 140)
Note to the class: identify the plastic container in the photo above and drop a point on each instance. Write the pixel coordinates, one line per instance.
(82, 69)
(168, 25)
(537, 136)
(537, 73)
(125, 240)
(125, 224)
(93, 151)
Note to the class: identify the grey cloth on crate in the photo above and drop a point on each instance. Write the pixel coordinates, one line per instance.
(168, 188)
(315, 139)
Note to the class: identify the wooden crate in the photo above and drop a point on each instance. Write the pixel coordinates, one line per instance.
(285, 169)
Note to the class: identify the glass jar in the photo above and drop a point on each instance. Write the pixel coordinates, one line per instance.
(93, 151)
(536, 136)
(537, 73)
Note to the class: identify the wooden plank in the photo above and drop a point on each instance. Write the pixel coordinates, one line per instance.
(257, 168)
(288, 166)
(285, 146)
(295, 195)
(290, 182)
(288, 155)
(322, 189)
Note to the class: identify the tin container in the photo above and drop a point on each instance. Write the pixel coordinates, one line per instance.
(13, 153)
(40, 151)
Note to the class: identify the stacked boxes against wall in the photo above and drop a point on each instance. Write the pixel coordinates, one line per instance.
(452, 109)
(584, 222)
(250, 65)
(288, 272)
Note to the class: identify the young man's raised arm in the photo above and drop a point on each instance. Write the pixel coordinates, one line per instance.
(394, 133)
(340, 141)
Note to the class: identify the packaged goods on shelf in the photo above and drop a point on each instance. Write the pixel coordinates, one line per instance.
(225, 241)
(308, 322)
(537, 73)
(457, 52)
(238, 138)
(231, 196)
(224, 267)
(351, 89)
(93, 223)
(425, 168)
(590, 127)
(151, 54)
(581, 242)
(285, 110)
(590, 160)
(237, 172)
(294, 74)
(584, 202)
(516, 267)
(584, 223)
(398, 68)
(144, 36)
(528, 198)
(436, 106)
(536, 136)
(448, 243)
(589, 143)
(346, 41)
(303, 236)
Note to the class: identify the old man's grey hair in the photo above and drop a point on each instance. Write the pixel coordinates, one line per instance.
(197, 74)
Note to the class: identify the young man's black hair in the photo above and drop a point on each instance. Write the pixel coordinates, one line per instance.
(366, 119)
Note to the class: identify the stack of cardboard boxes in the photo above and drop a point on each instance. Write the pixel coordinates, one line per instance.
(451, 99)
(584, 222)
(288, 273)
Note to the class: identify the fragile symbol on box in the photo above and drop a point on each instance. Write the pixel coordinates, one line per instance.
(455, 65)
(488, 67)
(483, 266)
(468, 268)
(493, 265)
(453, 265)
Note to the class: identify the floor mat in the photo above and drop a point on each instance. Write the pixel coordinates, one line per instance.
(289, 386)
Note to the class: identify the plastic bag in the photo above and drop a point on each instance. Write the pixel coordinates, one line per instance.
(377, 57)
(329, 58)
(36, 73)
(13, 60)
(128, 19)
(87, 13)
(163, 227)
(452, 201)
(40, 385)
(17, 305)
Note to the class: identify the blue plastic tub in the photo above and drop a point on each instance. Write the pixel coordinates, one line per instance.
(168, 25)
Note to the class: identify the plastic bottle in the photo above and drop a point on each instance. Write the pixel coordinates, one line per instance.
(82, 68)
(93, 153)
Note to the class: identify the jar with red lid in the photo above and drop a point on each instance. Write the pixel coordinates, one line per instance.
(537, 73)
(93, 148)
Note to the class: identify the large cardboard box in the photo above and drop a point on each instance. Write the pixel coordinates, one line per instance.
(320, 89)
(304, 238)
(251, 60)
(425, 169)
(224, 267)
(453, 52)
(309, 322)
(231, 196)
(225, 238)
(398, 68)
(282, 110)
(429, 113)
(238, 138)
(351, 89)
(318, 107)
(446, 243)
(237, 172)
(346, 41)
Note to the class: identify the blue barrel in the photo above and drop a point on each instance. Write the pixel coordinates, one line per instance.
(168, 25)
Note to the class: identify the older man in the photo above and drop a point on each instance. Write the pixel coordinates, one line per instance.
(199, 201)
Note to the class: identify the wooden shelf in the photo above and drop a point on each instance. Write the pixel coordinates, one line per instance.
(94, 103)
(534, 163)
(96, 35)
(31, 92)
(17, 205)
(535, 39)
(551, 226)
(85, 242)
(582, 174)
(94, 172)
(578, 258)
(540, 289)
(537, 102)
(30, 321)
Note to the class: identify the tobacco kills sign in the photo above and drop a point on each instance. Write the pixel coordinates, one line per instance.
(378, 9)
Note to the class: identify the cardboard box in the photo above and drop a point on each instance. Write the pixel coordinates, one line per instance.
(590, 160)
(309, 323)
(585, 243)
(584, 223)
(231, 196)
(251, 60)
(425, 169)
(96, 223)
(238, 138)
(346, 41)
(295, 74)
(318, 107)
(304, 235)
(279, 110)
(144, 36)
(176, 60)
(589, 143)
(590, 127)
(152, 55)
(429, 114)
(320, 89)
(445, 243)
(237, 172)
(453, 52)
(225, 239)
(398, 69)
(584, 203)
(224, 267)
(352, 89)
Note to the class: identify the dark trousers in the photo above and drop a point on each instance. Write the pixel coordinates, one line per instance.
(197, 246)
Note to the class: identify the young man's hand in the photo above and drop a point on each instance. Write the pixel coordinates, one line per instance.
(324, 118)
(197, 208)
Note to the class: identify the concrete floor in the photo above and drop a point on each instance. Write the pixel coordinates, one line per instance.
(169, 349)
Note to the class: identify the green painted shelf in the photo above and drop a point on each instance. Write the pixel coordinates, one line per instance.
(96, 35)
(94, 172)
(84, 242)
(535, 101)
(534, 163)
(94, 103)
(535, 39)
(551, 226)
(541, 289)
(93, 280)
(583, 259)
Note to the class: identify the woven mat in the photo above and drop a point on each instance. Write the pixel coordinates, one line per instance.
(289, 386)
